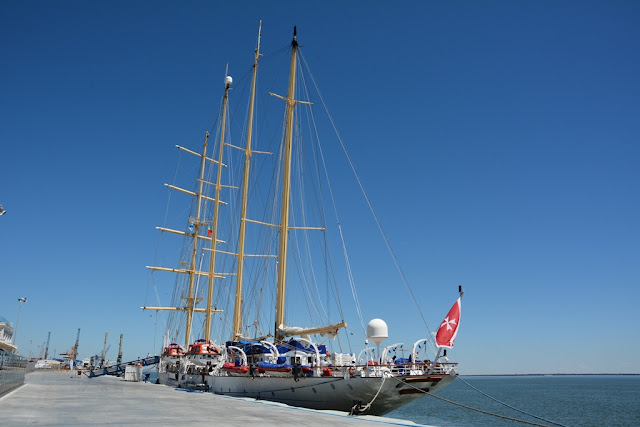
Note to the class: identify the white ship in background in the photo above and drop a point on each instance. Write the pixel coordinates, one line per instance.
(242, 258)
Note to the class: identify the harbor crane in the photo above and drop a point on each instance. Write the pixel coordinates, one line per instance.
(104, 349)
(119, 360)
(74, 353)
(46, 349)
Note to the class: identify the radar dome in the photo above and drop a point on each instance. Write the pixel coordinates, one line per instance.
(377, 331)
(228, 80)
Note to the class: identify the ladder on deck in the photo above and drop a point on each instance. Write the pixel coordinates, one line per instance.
(119, 368)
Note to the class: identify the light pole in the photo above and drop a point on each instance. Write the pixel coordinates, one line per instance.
(15, 332)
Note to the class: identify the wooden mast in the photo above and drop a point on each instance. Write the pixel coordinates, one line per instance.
(280, 333)
(237, 313)
(216, 206)
(190, 300)
(286, 184)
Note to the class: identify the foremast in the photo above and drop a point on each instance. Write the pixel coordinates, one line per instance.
(191, 300)
(216, 206)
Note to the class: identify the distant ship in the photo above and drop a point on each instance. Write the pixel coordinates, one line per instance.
(48, 364)
(258, 354)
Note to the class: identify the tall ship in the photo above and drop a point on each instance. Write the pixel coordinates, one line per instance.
(258, 293)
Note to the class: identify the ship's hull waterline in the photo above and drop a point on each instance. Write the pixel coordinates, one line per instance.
(322, 393)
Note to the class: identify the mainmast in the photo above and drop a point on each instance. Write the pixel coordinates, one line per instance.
(237, 313)
(286, 185)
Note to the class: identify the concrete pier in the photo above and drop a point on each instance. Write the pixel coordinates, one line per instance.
(62, 399)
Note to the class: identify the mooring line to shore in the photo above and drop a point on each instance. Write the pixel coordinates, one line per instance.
(509, 406)
(482, 410)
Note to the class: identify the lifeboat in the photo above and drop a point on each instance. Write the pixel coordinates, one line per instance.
(273, 367)
(277, 369)
(202, 347)
(203, 353)
(233, 370)
(173, 350)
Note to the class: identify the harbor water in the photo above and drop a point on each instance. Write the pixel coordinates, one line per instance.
(569, 400)
(589, 400)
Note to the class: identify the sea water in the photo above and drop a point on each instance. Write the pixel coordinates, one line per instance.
(589, 400)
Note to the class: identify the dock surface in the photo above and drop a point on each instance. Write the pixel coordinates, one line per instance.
(62, 399)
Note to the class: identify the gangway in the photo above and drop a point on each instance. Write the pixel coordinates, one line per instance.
(120, 367)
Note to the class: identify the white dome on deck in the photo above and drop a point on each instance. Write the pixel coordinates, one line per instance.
(377, 331)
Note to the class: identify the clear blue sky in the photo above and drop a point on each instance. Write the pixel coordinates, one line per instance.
(499, 141)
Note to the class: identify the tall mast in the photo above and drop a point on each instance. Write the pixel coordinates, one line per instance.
(286, 184)
(216, 205)
(190, 300)
(284, 214)
(237, 313)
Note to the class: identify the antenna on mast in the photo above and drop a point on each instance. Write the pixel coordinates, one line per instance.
(227, 78)
(259, 34)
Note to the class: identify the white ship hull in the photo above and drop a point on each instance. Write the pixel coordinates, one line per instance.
(323, 393)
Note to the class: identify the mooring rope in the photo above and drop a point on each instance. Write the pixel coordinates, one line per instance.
(368, 405)
(358, 409)
(509, 406)
(482, 410)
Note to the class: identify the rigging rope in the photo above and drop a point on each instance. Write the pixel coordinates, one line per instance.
(314, 157)
(483, 411)
(169, 317)
(509, 406)
(368, 201)
(333, 202)
(368, 405)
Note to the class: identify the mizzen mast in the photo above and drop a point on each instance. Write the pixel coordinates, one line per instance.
(286, 185)
(281, 331)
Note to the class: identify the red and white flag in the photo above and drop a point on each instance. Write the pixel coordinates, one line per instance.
(449, 328)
